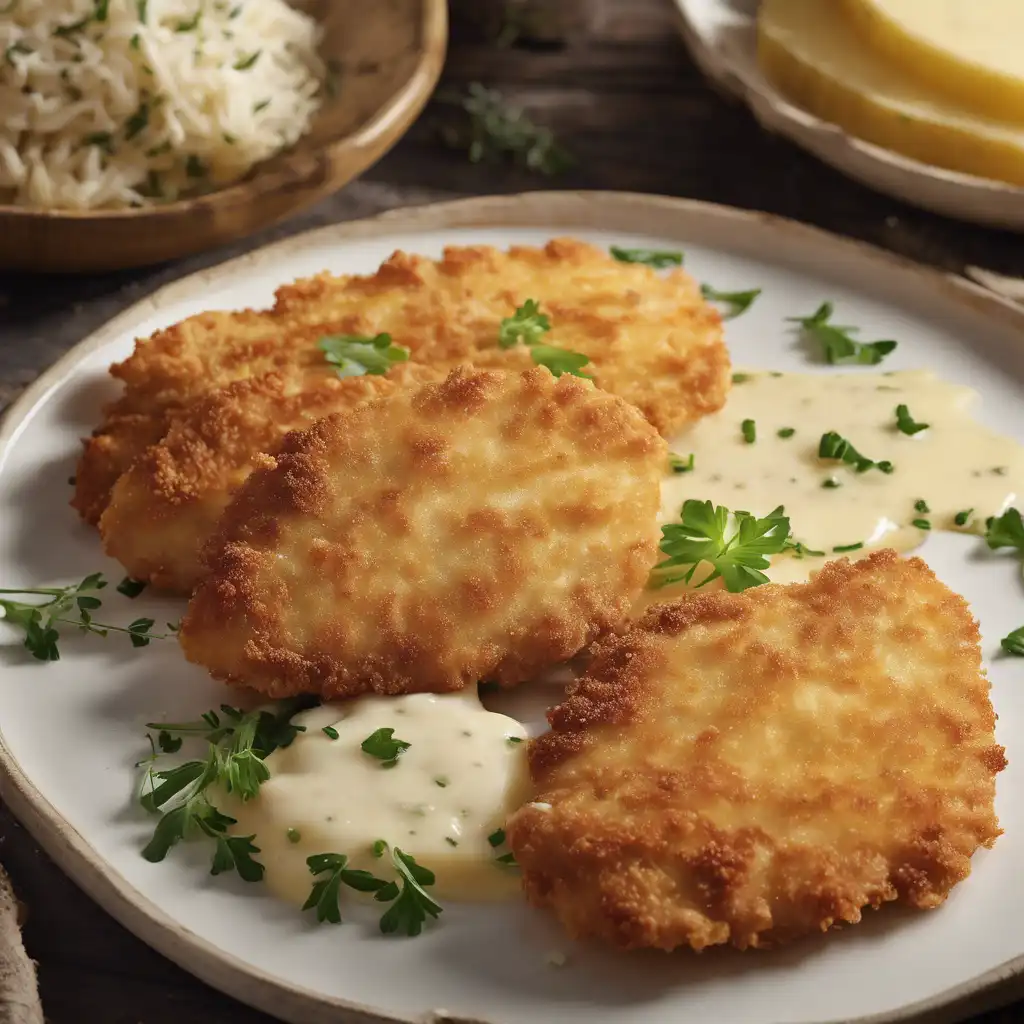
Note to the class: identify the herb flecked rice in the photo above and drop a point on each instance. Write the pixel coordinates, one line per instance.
(108, 103)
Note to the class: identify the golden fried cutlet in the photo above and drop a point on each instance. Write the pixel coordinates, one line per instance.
(651, 338)
(747, 768)
(485, 527)
(164, 509)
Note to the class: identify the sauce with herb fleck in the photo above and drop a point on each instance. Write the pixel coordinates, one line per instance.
(462, 774)
(954, 464)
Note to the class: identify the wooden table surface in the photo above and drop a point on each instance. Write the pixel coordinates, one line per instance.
(633, 109)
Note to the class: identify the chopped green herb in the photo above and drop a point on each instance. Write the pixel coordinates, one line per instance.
(921, 505)
(961, 518)
(382, 745)
(738, 302)
(76, 26)
(677, 464)
(749, 430)
(830, 483)
(142, 6)
(168, 744)
(450, 841)
(700, 536)
(656, 258)
(741, 378)
(497, 838)
(442, 780)
(837, 345)
(244, 63)
(138, 121)
(330, 732)
(261, 105)
(906, 424)
(528, 325)
(294, 835)
(506, 858)
(355, 355)
(559, 360)
(785, 433)
(834, 446)
(921, 524)
(379, 848)
(326, 893)
(131, 588)
(1013, 642)
(14, 49)
(840, 548)
(190, 24)
(801, 550)
(513, 740)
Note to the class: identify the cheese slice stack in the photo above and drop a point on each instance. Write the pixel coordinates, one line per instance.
(813, 52)
(970, 51)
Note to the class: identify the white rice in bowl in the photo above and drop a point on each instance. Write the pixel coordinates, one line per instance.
(113, 103)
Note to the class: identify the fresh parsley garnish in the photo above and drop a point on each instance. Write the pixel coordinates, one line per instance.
(749, 430)
(1013, 642)
(836, 344)
(138, 121)
(244, 63)
(167, 743)
(961, 518)
(330, 732)
(800, 550)
(131, 588)
(738, 302)
(355, 355)
(412, 904)
(1005, 531)
(921, 505)
(830, 483)
(677, 464)
(326, 893)
(841, 548)
(381, 743)
(700, 536)
(190, 24)
(786, 432)
(528, 325)
(906, 424)
(497, 840)
(656, 258)
(67, 606)
(921, 524)
(495, 131)
(835, 446)
(237, 745)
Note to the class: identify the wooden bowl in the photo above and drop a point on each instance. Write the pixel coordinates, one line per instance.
(388, 56)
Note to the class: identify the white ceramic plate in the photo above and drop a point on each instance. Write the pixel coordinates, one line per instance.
(721, 36)
(72, 729)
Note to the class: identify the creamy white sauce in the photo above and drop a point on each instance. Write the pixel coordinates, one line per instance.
(954, 465)
(461, 776)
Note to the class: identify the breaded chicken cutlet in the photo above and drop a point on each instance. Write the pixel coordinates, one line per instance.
(650, 337)
(485, 527)
(165, 507)
(749, 768)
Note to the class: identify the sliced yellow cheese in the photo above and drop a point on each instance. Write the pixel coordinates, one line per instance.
(808, 51)
(971, 51)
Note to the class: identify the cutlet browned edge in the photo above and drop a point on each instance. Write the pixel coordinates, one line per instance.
(616, 692)
(293, 484)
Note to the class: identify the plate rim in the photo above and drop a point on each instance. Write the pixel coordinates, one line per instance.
(585, 210)
(857, 158)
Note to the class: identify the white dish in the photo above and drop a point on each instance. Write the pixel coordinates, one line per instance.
(72, 729)
(721, 37)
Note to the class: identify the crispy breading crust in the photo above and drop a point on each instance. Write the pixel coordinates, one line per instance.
(651, 337)
(482, 528)
(748, 768)
(164, 509)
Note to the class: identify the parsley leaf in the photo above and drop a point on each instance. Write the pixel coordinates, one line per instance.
(244, 63)
(382, 744)
(130, 587)
(1013, 642)
(325, 894)
(528, 325)
(738, 302)
(837, 345)
(356, 355)
(657, 258)
(835, 446)
(1006, 531)
(906, 424)
(700, 536)
(412, 904)
(677, 464)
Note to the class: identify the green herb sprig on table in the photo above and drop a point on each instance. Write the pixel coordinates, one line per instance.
(68, 606)
(496, 131)
(702, 536)
(528, 325)
(837, 345)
